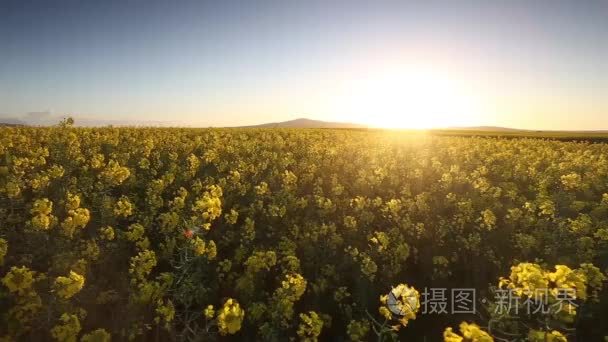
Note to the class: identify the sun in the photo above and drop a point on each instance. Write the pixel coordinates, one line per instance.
(406, 97)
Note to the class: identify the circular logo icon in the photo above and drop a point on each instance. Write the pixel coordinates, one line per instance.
(401, 301)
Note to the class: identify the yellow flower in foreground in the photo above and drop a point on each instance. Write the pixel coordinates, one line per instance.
(385, 312)
(525, 278)
(565, 278)
(474, 333)
(470, 332)
(546, 336)
(402, 301)
(450, 336)
(230, 317)
(209, 312)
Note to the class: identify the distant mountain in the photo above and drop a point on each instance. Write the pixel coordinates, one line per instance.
(91, 122)
(307, 123)
(12, 122)
(488, 128)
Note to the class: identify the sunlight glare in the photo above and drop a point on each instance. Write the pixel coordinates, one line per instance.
(412, 97)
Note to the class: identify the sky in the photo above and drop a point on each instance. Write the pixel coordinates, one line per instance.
(539, 64)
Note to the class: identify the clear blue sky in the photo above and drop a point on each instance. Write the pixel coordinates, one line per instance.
(528, 64)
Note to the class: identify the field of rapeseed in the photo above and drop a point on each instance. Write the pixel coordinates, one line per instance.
(252, 234)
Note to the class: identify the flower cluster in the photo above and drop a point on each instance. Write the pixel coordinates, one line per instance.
(19, 280)
(209, 206)
(292, 287)
(67, 329)
(402, 303)
(114, 173)
(165, 312)
(358, 330)
(527, 278)
(142, 264)
(558, 293)
(98, 335)
(230, 317)
(571, 181)
(469, 332)
(107, 233)
(123, 208)
(41, 210)
(209, 312)
(310, 326)
(201, 248)
(77, 219)
(546, 336)
(66, 287)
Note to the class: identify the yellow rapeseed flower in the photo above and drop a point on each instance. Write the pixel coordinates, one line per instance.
(230, 317)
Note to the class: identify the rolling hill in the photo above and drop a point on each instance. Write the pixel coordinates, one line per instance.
(307, 123)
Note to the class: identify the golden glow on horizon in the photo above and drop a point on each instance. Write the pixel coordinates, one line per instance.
(407, 97)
